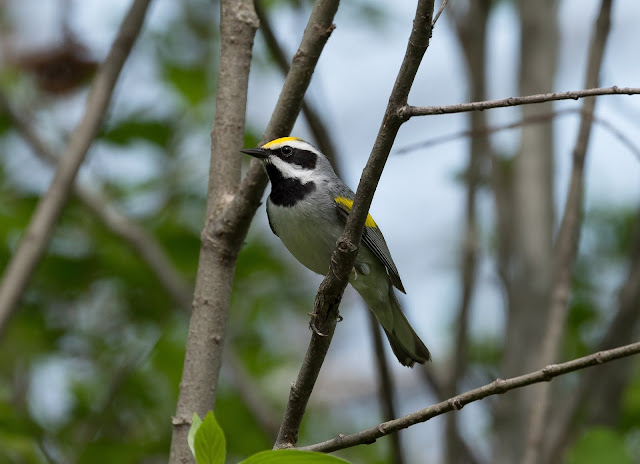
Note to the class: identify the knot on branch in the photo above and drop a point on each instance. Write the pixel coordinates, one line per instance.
(499, 385)
(345, 246)
(323, 32)
(180, 420)
(547, 371)
(404, 113)
(456, 404)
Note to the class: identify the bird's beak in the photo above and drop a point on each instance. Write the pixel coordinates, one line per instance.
(259, 153)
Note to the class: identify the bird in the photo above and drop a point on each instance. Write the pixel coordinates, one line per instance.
(307, 209)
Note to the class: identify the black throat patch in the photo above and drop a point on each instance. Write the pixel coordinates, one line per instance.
(286, 191)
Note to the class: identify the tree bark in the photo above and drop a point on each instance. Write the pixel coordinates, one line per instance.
(533, 219)
(220, 247)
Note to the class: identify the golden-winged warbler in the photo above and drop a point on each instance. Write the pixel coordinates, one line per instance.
(307, 208)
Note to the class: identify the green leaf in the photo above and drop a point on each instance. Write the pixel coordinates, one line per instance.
(292, 457)
(209, 443)
(600, 445)
(195, 425)
(191, 82)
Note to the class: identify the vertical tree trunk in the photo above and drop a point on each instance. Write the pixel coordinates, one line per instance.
(531, 267)
(219, 248)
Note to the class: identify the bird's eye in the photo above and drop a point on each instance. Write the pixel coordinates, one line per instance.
(286, 150)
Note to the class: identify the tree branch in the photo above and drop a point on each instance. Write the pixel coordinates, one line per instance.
(535, 119)
(332, 287)
(33, 244)
(498, 386)
(566, 247)
(411, 111)
(316, 125)
(218, 251)
(238, 214)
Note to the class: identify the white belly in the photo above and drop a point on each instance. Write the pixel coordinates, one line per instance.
(309, 235)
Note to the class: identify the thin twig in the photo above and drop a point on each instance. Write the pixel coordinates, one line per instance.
(410, 111)
(440, 10)
(332, 287)
(33, 244)
(535, 119)
(385, 383)
(498, 386)
(566, 246)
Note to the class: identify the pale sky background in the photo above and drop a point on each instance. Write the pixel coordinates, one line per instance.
(418, 204)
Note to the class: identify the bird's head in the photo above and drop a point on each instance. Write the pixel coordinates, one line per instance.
(292, 158)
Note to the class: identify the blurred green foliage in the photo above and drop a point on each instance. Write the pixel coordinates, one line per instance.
(90, 365)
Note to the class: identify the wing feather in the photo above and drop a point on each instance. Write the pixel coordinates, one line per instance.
(374, 240)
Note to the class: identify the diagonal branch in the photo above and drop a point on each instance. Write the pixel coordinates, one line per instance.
(410, 111)
(332, 287)
(239, 212)
(32, 246)
(497, 387)
(566, 247)
(316, 125)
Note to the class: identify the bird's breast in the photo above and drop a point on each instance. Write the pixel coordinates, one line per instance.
(308, 230)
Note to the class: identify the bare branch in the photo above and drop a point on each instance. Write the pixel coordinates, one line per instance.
(535, 119)
(238, 214)
(385, 382)
(36, 237)
(496, 387)
(332, 287)
(316, 125)
(566, 247)
(410, 111)
(443, 5)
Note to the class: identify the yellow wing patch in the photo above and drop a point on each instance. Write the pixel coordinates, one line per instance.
(279, 141)
(348, 204)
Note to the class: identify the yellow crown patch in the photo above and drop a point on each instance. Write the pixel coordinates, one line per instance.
(278, 141)
(348, 204)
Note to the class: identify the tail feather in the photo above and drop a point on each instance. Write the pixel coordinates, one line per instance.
(404, 341)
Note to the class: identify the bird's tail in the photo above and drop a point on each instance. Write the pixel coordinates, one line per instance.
(404, 341)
